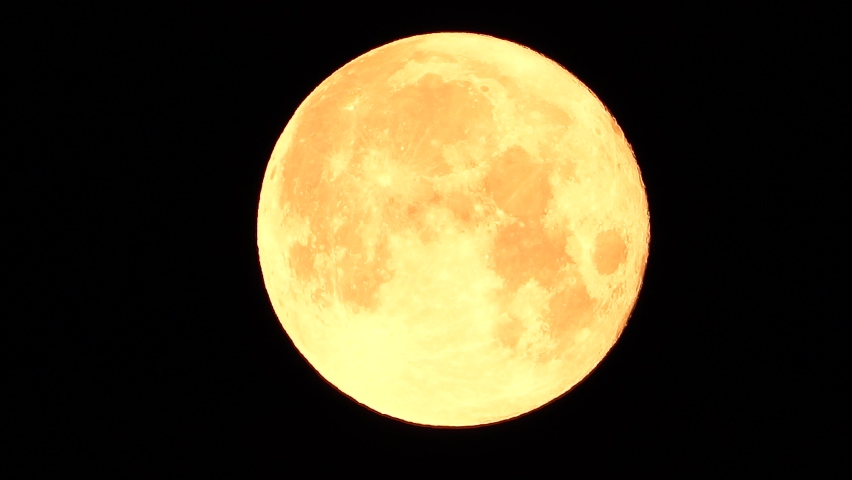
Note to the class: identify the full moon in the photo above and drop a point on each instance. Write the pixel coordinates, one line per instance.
(453, 230)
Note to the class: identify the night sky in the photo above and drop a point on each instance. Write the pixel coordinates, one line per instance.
(149, 342)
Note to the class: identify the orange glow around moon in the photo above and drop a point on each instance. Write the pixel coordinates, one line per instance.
(453, 230)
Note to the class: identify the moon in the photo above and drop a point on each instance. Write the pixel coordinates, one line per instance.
(453, 230)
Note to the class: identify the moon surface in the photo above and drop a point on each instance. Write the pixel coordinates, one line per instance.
(453, 230)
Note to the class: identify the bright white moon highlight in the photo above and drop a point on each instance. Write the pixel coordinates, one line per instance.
(453, 230)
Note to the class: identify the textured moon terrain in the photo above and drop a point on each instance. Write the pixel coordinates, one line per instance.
(453, 230)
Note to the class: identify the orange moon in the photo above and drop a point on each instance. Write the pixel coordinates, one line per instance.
(453, 230)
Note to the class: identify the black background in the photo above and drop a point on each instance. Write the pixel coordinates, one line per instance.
(149, 343)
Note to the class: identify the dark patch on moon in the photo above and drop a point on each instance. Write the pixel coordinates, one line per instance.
(570, 309)
(360, 276)
(610, 252)
(518, 185)
(302, 262)
(432, 109)
(523, 251)
(509, 332)
(402, 125)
